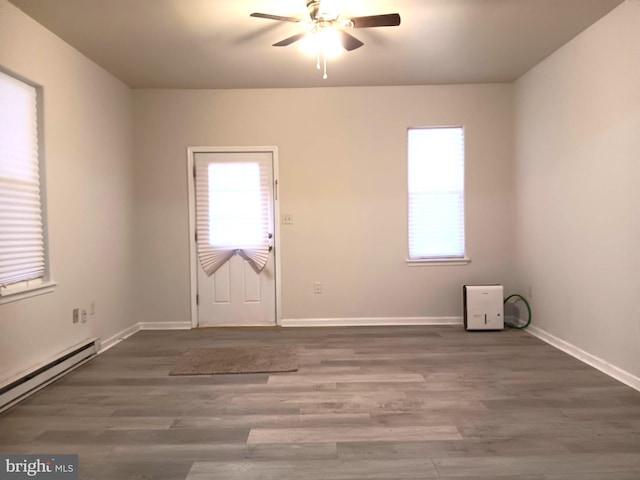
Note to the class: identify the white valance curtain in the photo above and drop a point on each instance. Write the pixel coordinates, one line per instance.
(232, 212)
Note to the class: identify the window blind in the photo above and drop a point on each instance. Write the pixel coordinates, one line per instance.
(22, 254)
(233, 212)
(436, 193)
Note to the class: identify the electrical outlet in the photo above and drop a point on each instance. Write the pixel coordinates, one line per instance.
(92, 307)
(287, 219)
(84, 316)
(317, 287)
(76, 315)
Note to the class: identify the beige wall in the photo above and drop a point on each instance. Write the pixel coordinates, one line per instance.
(578, 189)
(88, 132)
(342, 177)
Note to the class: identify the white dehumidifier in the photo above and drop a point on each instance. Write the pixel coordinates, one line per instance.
(483, 307)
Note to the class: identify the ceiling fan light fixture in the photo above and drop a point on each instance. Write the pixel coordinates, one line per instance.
(325, 41)
(326, 35)
(329, 9)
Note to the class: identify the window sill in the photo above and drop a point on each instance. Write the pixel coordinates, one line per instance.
(435, 262)
(20, 293)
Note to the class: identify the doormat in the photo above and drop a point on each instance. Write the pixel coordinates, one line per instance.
(249, 359)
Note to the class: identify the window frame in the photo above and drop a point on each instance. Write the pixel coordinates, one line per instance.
(45, 284)
(440, 260)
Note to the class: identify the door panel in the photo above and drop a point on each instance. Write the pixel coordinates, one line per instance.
(221, 285)
(236, 293)
(251, 282)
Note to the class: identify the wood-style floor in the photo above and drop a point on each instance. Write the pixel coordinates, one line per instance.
(366, 403)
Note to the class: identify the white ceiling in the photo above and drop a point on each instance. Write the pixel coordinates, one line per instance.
(215, 44)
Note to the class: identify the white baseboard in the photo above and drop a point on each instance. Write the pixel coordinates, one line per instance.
(597, 363)
(127, 332)
(368, 321)
(117, 338)
(165, 325)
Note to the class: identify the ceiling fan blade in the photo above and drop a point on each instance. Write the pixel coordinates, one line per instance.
(275, 17)
(290, 40)
(349, 42)
(386, 20)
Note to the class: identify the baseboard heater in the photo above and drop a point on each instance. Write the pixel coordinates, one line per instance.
(29, 383)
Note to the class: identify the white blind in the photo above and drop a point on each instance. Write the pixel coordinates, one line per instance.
(238, 205)
(233, 213)
(436, 193)
(21, 233)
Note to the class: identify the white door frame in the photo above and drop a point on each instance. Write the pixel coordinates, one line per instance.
(193, 253)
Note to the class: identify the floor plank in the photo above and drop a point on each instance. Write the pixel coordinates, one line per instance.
(353, 434)
(315, 470)
(452, 467)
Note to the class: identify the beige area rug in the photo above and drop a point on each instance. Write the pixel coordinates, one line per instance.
(248, 359)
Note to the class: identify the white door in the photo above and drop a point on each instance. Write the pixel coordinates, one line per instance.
(240, 208)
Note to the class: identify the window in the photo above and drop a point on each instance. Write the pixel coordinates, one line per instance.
(238, 213)
(233, 207)
(23, 263)
(436, 194)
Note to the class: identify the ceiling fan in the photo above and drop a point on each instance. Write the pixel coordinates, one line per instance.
(322, 20)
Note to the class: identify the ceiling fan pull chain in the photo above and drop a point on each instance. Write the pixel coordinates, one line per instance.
(318, 58)
(324, 58)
